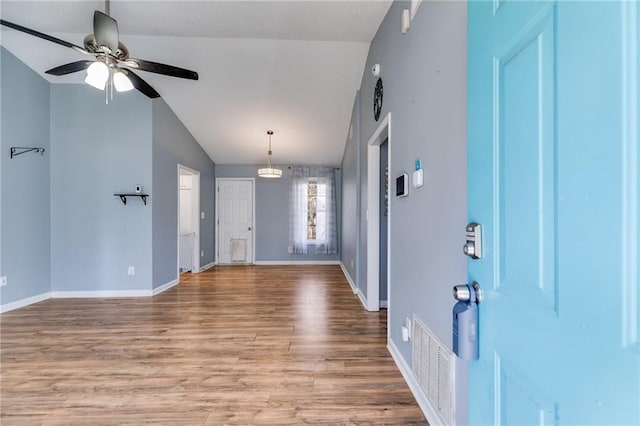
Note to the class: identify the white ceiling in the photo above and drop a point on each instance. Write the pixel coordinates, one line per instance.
(290, 66)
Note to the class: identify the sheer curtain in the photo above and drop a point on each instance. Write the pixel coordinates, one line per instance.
(314, 231)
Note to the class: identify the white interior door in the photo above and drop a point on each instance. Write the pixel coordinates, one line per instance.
(235, 221)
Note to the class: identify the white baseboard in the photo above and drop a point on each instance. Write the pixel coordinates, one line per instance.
(384, 304)
(100, 293)
(24, 302)
(84, 294)
(296, 262)
(362, 298)
(348, 277)
(207, 266)
(355, 290)
(165, 287)
(429, 412)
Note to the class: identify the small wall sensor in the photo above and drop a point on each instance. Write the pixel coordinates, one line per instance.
(375, 70)
(418, 178)
(138, 189)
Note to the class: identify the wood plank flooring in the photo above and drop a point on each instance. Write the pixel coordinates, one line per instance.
(233, 345)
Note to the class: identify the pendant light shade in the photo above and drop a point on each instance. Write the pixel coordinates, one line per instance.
(270, 171)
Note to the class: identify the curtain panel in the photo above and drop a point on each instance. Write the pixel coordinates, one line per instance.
(324, 221)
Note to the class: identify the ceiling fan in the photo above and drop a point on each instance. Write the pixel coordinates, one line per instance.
(107, 70)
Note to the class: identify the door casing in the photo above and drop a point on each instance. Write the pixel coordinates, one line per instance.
(195, 211)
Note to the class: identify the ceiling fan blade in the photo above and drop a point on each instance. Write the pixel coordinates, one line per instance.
(43, 36)
(140, 84)
(157, 68)
(69, 68)
(105, 29)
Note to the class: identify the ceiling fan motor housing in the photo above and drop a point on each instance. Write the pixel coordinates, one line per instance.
(91, 45)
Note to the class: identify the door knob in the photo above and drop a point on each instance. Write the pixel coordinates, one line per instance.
(463, 292)
(249, 228)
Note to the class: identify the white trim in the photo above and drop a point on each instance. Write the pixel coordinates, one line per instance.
(165, 287)
(207, 266)
(85, 295)
(24, 302)
(383, 304)
(362, 298)
(348, 277)
(253, 219)
(382, 133)
(100, 294)
(355, 290)
(429, 412)
(296, 262)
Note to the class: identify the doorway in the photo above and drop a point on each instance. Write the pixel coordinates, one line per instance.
(188, 220)
(235, 213)
(380, 136)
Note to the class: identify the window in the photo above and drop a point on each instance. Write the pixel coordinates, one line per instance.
(312, 211)
(316, 211)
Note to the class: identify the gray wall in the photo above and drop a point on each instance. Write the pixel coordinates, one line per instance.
(62, 228)
(272, 213)
(350, 204)
(424, 75)
(24, 224)
(96, 151)
(173, 145)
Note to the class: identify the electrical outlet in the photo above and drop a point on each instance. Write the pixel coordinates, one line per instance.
(407, 323)
(201, 253)
(3, 281)
(201, 215)
(351, 263)
(131, 271)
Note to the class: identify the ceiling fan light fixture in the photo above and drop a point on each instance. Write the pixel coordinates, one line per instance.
(121, 82)
(97, 75)
(270, 171)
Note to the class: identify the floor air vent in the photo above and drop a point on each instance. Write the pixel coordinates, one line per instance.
(433, 367)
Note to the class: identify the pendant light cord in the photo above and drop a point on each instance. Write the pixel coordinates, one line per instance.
(270, 133)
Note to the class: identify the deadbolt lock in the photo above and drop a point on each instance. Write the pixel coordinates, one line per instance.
(473, 246)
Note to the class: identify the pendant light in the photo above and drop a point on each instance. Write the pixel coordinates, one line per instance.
(270, 171)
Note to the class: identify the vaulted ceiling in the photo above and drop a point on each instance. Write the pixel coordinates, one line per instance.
(290, 66)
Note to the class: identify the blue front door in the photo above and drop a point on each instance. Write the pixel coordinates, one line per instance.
(553, 179)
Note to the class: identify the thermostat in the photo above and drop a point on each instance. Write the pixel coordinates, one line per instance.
(402, 185)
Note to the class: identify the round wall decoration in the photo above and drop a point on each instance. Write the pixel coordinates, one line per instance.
(377, 100)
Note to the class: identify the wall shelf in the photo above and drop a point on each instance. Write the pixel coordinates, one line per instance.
(19, 150)
(123, 197)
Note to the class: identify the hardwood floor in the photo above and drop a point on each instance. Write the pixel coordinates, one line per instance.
(233, 345)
